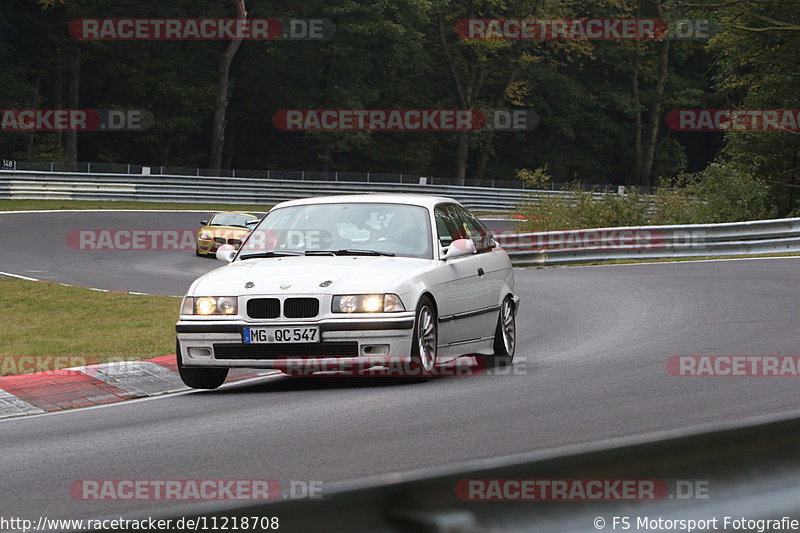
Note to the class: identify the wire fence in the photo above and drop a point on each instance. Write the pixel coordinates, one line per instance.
(287, 175)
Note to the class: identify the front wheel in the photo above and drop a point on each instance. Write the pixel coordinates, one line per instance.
(505, 335)
(424, 342)
(200, 378)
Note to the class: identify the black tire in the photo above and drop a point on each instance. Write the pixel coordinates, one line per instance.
(200, 378)
(425, 339)
(505, 335)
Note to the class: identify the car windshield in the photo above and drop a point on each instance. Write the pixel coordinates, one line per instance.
(231, 219)
(343, 229)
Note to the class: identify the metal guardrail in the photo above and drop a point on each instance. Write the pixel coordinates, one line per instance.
(528, 249)
(228, 190)
(748, 470)
(653, 242)
(29, 185)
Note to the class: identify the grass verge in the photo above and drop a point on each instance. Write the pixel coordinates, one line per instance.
(36, 205)
(48, 319)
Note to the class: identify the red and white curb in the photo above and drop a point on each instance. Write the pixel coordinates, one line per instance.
(55, 390)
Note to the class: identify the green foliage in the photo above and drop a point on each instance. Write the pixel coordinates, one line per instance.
(406, 54)
(723, 192)
(578, 207)
(756, 68)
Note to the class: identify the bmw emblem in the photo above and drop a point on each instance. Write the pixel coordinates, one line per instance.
(285, 286)
(249, 285)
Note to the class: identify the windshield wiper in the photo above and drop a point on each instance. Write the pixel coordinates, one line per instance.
(355, 251)
(348, 251)
(271, 253)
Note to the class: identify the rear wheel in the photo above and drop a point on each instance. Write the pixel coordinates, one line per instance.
(200, 378)
(505, 335)
(424, 342)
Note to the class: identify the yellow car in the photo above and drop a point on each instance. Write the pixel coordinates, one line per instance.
(224, 228)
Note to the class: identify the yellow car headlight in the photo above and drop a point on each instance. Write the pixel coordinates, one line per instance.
(366, 303)
(210, 305)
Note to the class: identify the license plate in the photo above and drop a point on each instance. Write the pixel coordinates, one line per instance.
(281, 335)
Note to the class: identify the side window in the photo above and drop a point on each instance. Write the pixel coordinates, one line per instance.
(448, 225)
(475, 230)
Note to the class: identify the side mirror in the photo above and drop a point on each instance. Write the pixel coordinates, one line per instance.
(204, 222)
(226, 253)
(459, 248)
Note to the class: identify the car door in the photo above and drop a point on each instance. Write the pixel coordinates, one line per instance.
(462, 285)
(494, 262)
(494, 266)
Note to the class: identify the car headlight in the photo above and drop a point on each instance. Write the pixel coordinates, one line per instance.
(205, 236)
(210, 305)
(366, 303)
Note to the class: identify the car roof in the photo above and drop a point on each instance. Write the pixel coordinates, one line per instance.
(422, 200)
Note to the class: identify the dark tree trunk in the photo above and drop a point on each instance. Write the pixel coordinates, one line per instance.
(462, 154)
(71, 137)
(30, 136)
(483, 159)
(467, 88)
(218, 129)
(654, 118)
(488, 140)
(636, 168)
(58, 99)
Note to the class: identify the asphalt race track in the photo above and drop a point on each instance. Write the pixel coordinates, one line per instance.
(593, 345)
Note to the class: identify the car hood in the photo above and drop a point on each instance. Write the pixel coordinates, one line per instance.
(227, 230)
(346, 274)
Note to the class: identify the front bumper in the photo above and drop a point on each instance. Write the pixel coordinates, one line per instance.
(209, 246)
(359, 341)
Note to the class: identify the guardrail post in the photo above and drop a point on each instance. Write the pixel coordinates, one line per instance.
(367, 177)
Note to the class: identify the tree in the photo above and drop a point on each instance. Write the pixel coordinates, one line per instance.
(757, 50)
(218, 128)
